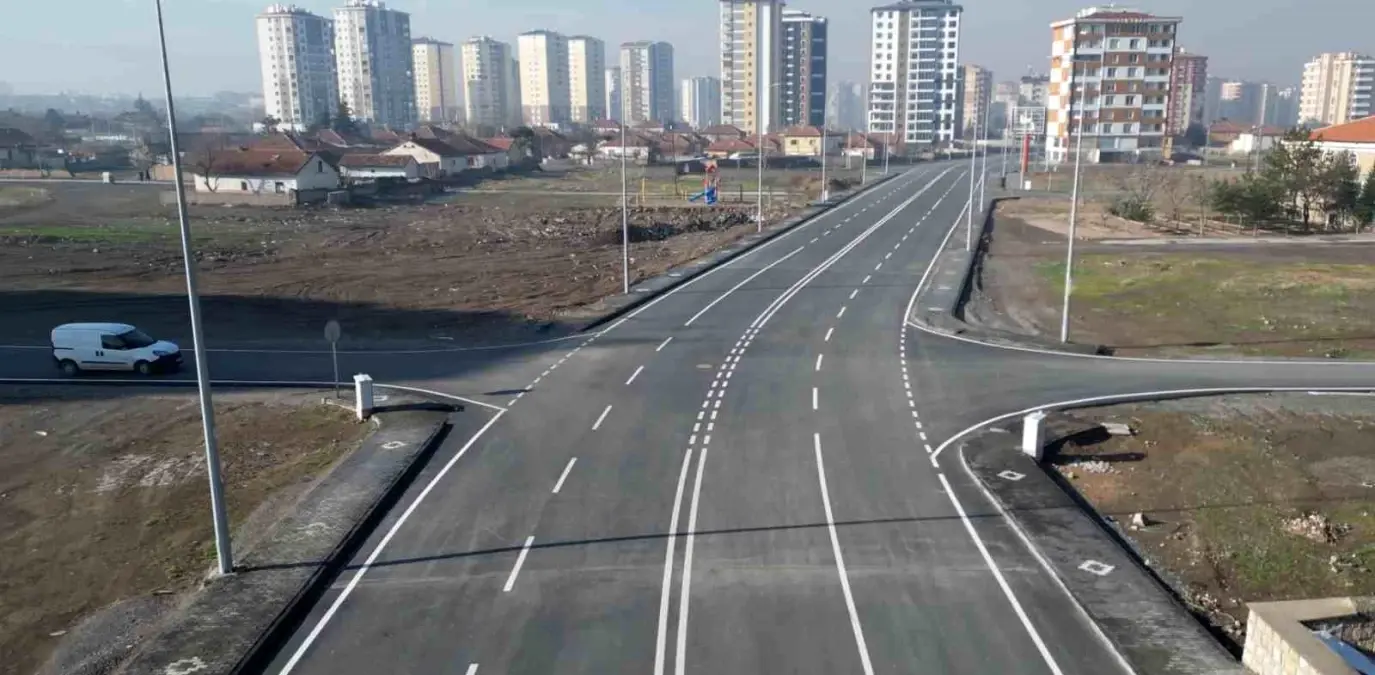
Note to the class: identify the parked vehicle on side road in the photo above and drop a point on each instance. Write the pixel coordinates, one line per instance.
(111, 346)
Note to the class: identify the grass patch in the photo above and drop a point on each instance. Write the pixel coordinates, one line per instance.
(1185, 298)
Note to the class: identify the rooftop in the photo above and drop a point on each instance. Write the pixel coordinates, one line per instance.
(257, 163)
(1358, 131)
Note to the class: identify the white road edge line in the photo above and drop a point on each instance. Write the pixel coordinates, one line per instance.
(520, 560)
(840, 562)
(377, 551)
(598, 423)
(634, 375)
(680, 661)
(998, 576)
(564, 476)
(661, 645)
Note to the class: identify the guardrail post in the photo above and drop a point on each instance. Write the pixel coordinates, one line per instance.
(1034, 435)
(362, 396)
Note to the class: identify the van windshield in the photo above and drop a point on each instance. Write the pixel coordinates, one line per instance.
(135, 339)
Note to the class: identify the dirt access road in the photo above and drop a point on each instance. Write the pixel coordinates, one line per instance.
(495, 266)
(1301, 300)
(1245, 498)
(103, 497)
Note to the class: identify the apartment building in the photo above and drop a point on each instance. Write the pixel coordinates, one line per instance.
(647, 82)
(803, 98)
(491, 93)
(1033, 90)
(751, 63)
(845, 105)
(1240, 101)
(701, 101)
(296, 53)
(545, 99)
(976, 85)
(587, 78)
(914, 77)
(613, 93)
(372, 51)
(1188, 92)
(436, 81)
(1337, 88)
(1110, 70)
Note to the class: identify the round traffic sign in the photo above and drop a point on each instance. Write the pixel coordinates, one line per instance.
(333, 331)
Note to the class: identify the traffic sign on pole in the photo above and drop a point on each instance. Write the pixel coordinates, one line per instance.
(333, 331)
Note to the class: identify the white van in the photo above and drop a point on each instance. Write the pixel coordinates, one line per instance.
(111, 346)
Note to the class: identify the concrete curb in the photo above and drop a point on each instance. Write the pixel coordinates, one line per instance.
(236, 624)
(1137, 610)
(649, 289)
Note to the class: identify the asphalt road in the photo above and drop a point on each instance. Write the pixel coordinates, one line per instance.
(737, 478)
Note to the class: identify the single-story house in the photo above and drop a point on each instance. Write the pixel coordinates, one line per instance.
(366, 166)
(604, 128)
(435, 158)
(477, 154)
(514, 153)
(730, 147)
(721, 132)
(262, 171)
(1255, 141)
(17, 150)
(806, 141)
(635, 147)
(1356, 137)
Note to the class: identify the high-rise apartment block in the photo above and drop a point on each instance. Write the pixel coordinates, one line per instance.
(647, 84)
(1110, 72)
(914, 80)
(1240, 101)
(977, 86)
(1337, 88)
(490, 83)
(845, 107)
(296, 51)
(372, 51)
(751, 63)
(613, 93)
(1188, 92)
(1033, 90)
(701, 101)
(544, 93)
(804, 69)
(436, 81)
(587, 78)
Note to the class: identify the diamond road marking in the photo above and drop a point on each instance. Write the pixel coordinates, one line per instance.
(1011, 475)
(1097, 568)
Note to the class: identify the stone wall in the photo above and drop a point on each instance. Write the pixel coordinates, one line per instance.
(1278, 642)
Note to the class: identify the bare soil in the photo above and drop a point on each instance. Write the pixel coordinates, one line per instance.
(1245, 499)
(1297, 300)
(469, 264)
(103, 495)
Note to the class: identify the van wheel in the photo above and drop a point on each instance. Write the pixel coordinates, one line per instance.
(143, 368)
(69, 367)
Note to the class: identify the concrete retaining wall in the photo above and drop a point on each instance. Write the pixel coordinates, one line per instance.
(1277, 642)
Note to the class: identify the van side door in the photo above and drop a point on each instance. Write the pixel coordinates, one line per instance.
(110, 353)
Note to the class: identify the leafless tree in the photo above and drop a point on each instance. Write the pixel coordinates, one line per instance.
(1174, 191)
(209, 159)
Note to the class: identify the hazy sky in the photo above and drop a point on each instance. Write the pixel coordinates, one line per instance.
(110, 46)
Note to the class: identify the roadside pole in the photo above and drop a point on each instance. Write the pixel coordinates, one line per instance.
(1073, 211)
(885, 154)
(983, 173)
(825, 196)
(219, 512)
(1007, 132)
(332, 333)
(969, 216)
(625, 219)
(759, 189)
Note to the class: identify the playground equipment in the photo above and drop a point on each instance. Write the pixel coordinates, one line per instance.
(709, 185)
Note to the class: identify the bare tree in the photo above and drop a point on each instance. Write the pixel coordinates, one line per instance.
(209, 159)
(1174, 190)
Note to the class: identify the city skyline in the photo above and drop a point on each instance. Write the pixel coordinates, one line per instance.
(121, 58)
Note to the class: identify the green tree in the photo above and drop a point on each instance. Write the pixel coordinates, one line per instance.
(1341, 187)
(527, 144)
(1260, 199)
(1296, 166)
(54, 121)
(1365, 205)
(270, 124)
(1196, 136)
(343, 122)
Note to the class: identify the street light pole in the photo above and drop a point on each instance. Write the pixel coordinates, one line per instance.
(983, 173)
(969, 215)
(1007, 132)
(759, 147)
(220, 516)
(824, 191)
(1073, 208)
(625, 219)
(886, 153)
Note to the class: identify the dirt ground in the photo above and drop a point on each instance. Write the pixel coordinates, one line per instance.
(1245, 499)
(103, 497)
(469, 264)
(1299, 300)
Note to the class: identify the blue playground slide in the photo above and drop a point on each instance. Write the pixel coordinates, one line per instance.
(709, 194)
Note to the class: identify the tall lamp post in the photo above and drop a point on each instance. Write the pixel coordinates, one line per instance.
(983, 173)
(625, 218)
(759, 138)
(969, 215)
(1073, 205)
(825, 192)
(220, 515)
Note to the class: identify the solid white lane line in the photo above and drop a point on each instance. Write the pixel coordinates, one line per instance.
(814, 394)
(736, 287)
(680, 661)
(377, 551)
(564, 476)
(664, 343)
(998, 576)
(854, 293)
(660, 647)
(598, 423)
(472, 669)
(818, 361)
(520, 560)
(634, 375)
(840, 313)
(828, 333)
(840, 562)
